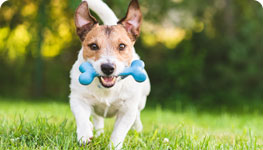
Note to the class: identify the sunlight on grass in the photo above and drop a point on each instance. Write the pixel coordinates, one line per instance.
(36, 125)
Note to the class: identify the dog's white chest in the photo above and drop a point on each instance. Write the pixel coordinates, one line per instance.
(107, 109)
(107, 102)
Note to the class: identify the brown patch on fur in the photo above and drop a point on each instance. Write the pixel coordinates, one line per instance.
(108, 30)
(108, 38)
(84, 30)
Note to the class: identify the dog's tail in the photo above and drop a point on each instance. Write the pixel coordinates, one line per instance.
(103, 11)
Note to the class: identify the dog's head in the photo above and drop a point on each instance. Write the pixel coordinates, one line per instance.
(108, 48)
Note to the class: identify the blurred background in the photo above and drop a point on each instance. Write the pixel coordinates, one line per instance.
(206, 54)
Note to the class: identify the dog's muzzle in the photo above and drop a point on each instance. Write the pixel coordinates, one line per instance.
(107, 81)
(107, 69)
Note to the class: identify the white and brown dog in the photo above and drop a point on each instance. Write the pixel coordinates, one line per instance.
(109, 48)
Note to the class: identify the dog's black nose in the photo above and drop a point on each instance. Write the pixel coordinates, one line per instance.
(108, 69)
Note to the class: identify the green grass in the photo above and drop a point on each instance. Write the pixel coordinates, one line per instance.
(50, 125)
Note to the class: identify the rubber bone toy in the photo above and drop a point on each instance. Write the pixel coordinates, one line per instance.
(136, 70)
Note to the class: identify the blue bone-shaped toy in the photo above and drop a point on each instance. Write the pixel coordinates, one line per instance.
(89, 73)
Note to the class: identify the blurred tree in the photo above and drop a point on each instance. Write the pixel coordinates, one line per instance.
(196, 51)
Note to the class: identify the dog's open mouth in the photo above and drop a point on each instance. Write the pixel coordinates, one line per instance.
(107, 81)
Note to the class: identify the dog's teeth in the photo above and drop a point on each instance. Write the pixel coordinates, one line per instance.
(108, 81)
(102, 79)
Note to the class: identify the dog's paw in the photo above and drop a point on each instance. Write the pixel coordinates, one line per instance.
(99, 132)
(84, 140)
(84, 136)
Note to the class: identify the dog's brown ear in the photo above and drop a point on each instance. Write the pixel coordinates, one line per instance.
(84, 21)
(132, 20)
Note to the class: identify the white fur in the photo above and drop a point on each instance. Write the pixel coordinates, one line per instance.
(103, 11)
(124, 100)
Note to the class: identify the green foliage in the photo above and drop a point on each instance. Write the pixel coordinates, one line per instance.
(201, 52)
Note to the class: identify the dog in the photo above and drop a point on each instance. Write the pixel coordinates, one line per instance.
(110, 49)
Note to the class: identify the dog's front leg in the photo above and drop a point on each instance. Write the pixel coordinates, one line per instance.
(124, 121)
(82, 112)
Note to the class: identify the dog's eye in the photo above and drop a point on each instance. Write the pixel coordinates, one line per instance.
(93, 46)
(122, 46)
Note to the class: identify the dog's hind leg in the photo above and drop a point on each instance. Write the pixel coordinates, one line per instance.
(98, 123)
(138, 123)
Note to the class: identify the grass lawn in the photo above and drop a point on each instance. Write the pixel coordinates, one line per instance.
(50, 125)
